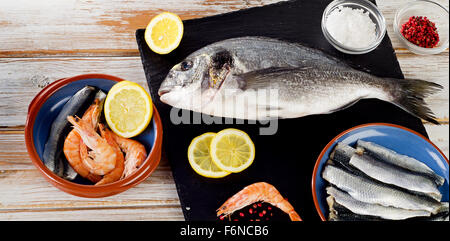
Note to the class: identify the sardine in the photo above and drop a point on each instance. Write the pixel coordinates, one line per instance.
(370, 209)
(260, 78)
(394, 175)
(368, 191)
(400, 160)
(53, 150)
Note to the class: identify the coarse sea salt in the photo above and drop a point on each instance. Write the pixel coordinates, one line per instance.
(351, 27)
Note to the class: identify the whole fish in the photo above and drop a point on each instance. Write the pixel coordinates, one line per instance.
(260, 78)
(370, 209)
(53, 149)
(368, 191)
(397, 159)
(394, 175)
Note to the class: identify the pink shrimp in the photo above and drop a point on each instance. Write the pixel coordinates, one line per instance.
(102, 158)
(73, 141)
(135, 154)
(260, 191)
(116, 173)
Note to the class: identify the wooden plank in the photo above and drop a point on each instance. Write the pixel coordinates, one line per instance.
(153, 213)
(92, 28)
(439, 135)
(434, 68)
(24, 77)
(24, 188)
(106, 28)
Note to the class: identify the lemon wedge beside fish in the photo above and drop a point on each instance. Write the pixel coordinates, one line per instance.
(128, 109)
(232, 150)
(164, 32)
(200, 159)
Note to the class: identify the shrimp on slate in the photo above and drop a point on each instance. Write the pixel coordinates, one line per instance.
(102, 158)
(73, 141)
(260, 191)
(116, 173)
(135, 154)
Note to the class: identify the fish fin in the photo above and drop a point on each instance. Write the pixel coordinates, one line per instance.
(259, 78)
(411, 97)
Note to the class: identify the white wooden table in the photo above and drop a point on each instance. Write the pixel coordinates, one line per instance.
(42, 41)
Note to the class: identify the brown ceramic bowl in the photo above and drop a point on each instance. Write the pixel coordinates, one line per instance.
(44, 108)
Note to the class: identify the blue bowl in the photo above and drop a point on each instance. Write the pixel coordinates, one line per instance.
(394, 137)
(46, 106)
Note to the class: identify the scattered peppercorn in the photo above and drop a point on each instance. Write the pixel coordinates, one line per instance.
(420, 31)
(259, 211)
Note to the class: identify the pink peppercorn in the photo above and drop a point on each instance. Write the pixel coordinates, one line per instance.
(420, 31)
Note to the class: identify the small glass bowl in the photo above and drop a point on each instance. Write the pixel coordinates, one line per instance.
(374, 13)
(433, 11)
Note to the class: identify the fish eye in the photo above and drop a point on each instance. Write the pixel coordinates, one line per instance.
(186, 65)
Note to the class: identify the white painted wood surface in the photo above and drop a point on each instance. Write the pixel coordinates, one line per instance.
(42, 41)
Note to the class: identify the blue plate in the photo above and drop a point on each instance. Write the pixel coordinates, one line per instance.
(400, 139)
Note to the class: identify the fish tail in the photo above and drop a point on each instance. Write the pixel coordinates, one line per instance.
(410, 97)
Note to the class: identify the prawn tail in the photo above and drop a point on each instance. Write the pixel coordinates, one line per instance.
(294, 216)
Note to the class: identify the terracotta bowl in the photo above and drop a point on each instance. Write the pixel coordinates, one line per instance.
(46, 106)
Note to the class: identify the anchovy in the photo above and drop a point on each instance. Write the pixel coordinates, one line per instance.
(258, 78)
(402, 161)
(53, 150)
(391, 174)
(368, 191)
(370, 209)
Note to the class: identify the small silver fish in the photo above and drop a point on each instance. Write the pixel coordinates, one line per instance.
(370, 209)
(400, 160)
(394, 175)
(258, 78)
(76, 105)
(367, 191)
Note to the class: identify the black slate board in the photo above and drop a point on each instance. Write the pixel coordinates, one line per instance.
(286, 159)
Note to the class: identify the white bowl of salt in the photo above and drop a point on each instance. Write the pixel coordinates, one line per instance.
(353, 26)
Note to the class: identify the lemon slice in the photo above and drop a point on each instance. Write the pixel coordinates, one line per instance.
(200, 159)
(164, 32)
(232, 150)
(128, 109)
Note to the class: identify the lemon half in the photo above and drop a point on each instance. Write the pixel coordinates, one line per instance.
(200, 158)
(164, 32)
(128, 109)
(232, 150)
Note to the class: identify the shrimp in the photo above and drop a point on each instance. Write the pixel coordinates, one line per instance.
(102, 158)
(73, 141)
(260, 191)
(116, 173)
(135, 154)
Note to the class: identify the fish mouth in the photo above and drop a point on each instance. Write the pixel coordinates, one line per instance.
(164, 90)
